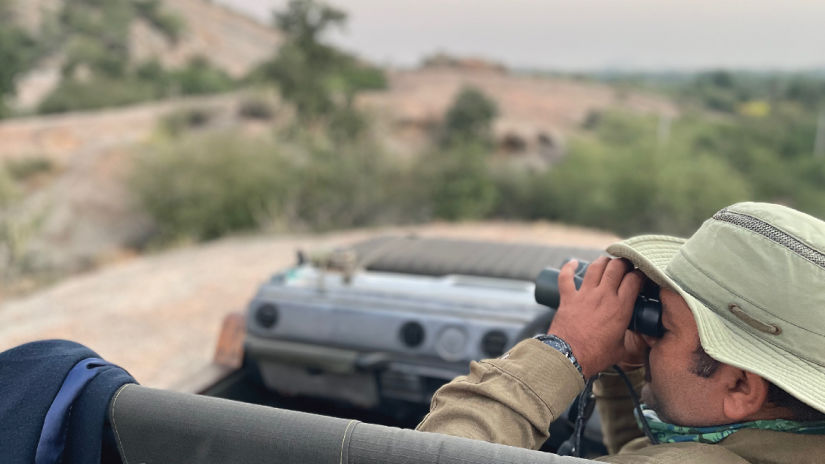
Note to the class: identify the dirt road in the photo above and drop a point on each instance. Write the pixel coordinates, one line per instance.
(158, 316)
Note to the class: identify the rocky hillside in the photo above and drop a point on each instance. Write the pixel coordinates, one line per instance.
(85, 213)
(535, 113)
(83, 209)
(229, 39)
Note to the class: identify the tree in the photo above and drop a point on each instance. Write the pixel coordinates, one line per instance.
(304, 21)
(317, 78)
(304, 65)
(470, 119)
(17, 52)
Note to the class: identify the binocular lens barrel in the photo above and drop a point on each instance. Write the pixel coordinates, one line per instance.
(647, 311)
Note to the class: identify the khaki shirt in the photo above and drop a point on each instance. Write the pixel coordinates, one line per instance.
(512, 400)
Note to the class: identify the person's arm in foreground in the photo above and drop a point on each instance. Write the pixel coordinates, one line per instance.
(512, 400)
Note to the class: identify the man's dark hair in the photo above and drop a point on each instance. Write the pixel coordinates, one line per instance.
(705, 366)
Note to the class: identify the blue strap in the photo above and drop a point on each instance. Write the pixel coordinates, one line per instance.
(53, 435)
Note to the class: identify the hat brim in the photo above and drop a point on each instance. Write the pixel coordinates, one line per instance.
(720, 338)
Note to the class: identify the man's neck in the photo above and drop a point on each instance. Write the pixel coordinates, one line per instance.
(769, 412)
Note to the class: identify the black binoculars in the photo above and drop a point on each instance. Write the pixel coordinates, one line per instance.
(647, 311)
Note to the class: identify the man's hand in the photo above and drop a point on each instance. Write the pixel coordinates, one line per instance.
(593, 319)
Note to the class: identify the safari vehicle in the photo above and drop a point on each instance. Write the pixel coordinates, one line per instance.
(361, 335)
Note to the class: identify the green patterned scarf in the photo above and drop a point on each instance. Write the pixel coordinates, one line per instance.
(670, 433)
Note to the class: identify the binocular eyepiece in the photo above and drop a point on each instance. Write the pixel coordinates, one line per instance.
(647, 310)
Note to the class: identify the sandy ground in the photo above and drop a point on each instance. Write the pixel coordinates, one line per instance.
(158, 316)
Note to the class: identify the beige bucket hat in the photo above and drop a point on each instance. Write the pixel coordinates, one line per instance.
(754, 277)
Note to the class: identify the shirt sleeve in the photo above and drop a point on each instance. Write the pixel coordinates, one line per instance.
(510, 400)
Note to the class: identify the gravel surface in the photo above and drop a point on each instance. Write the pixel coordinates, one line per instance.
(158, 316)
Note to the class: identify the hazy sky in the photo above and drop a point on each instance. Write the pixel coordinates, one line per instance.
(585, 34)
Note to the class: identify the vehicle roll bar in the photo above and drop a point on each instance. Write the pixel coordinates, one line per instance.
(158, 426)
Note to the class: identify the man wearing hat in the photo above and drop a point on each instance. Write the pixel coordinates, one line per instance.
(737, 377)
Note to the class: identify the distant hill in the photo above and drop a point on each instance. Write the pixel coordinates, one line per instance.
(536, 113)
(230, 40)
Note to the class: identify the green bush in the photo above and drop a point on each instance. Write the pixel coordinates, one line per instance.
(8, 189)
(774, 154)
(626, 179)
(346, 124)
(691, 188)
(469, 119)
(72, 95)
(147, 81)
(459, 182)
(170, 25)
(345, 186)
(94, 35)
(255, 108)
(202, 187)
(641, 190)
(24, 168)
(199, 77)
(522, 194)
(18, 50)
(180, 121)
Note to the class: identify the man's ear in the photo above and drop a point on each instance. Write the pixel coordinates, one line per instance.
(745, 393)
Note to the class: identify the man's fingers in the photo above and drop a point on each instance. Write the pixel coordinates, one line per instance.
(631, 286)
(566, 283)
(594, 272)
(636, 350)
(614, 272)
